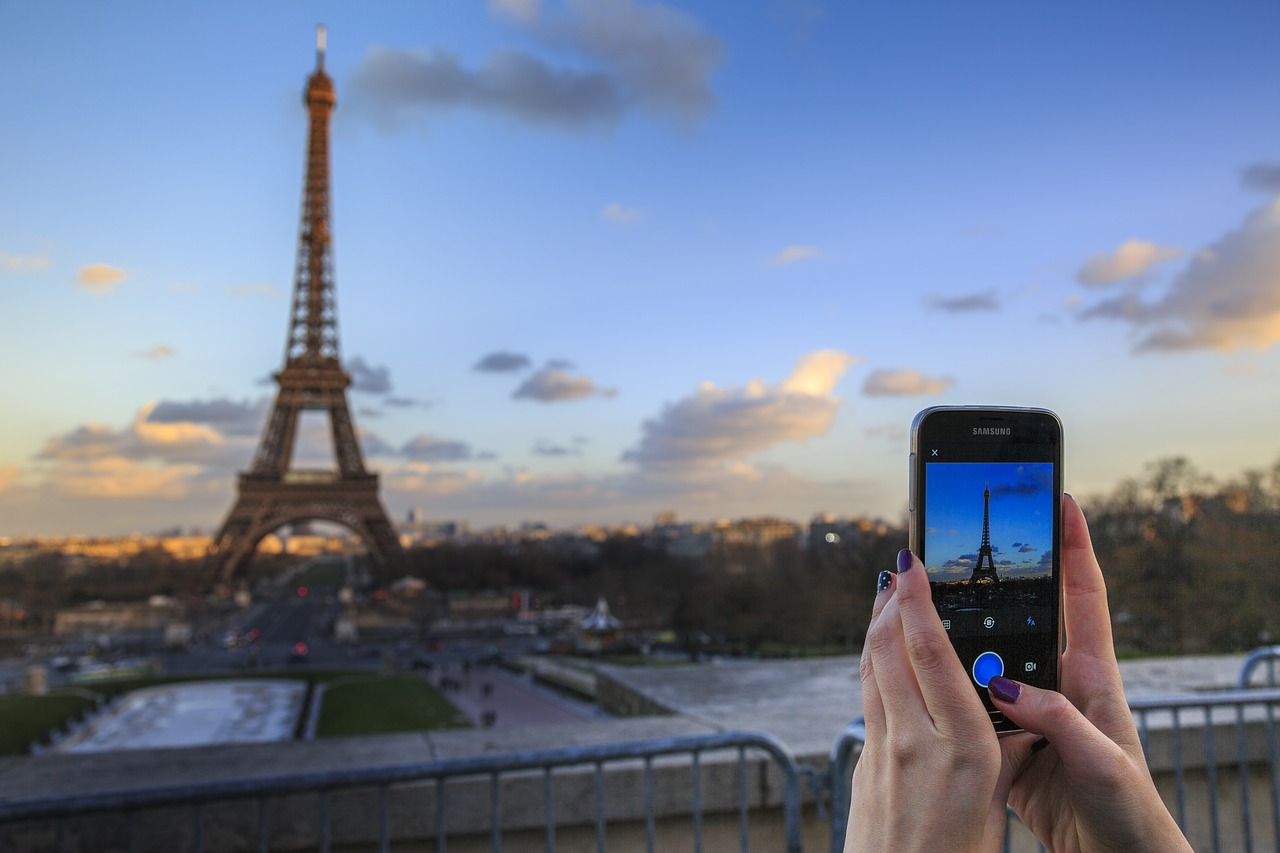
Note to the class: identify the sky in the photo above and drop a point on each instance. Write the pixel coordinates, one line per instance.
(1020, 518)
(597, 259)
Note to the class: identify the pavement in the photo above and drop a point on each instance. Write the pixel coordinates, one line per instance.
(513, 700)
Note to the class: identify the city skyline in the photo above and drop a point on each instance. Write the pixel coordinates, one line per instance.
(597, 260)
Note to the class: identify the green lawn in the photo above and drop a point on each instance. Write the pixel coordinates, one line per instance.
(322, 573)
(377, 706)
(361, 704)
(26, 719)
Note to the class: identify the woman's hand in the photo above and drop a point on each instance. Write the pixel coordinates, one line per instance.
(1089, 789)
(930, 775)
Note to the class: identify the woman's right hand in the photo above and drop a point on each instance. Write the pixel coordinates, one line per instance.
(1089, 789)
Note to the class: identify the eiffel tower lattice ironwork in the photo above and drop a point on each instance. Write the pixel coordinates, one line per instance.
(984, 550)
(271, 494)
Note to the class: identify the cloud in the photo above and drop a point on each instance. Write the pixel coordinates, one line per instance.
(966, 303)
(794, 254)
(161, 454)
(428, 449)
(255, 291)
(23, 263)
(546, 448)
(889, 432)
(1262, 176)
(619, 215)
(1132, 260)
(372, 444)
(623, 55)
(99, 278)
(116, 478)
(393, 85)
(904, 383)
(502, 362)
(367, 378)
(402, 402)
(159, 352)
(1227, 297)
(227, 416)
(523, 11)
(552, 384)
(724, 424)
(573, 498)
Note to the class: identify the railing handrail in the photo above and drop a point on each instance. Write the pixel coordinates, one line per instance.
(1252, 661)
(23, 808)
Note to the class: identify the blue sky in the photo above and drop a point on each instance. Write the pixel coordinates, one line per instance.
(1021, 517)
(599, 259)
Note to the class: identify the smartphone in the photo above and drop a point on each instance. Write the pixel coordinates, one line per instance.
(986, 522)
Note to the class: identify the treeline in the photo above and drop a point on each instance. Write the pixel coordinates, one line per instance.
(1192, 565)
(736, 599)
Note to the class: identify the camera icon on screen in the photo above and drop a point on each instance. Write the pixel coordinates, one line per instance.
(1030, 666)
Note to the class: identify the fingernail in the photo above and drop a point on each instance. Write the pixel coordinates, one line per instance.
(882, 582)
(905, 560)
(1004, 689)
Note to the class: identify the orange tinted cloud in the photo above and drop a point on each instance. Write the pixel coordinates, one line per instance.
(99, 278)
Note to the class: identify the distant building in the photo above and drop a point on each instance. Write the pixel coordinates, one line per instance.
(756, 532)
(122, 622)
(826, 531)
(419, 531)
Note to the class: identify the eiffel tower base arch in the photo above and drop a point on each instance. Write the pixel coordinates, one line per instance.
(266, 504)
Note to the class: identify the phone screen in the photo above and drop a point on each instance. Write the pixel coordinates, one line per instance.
(986, 516)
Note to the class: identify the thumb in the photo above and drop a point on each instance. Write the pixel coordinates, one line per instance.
(1048, 713)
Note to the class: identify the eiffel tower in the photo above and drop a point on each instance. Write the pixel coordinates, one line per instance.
(270, 494)
(984, 550)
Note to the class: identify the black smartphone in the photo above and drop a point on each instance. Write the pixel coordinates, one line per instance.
(986, 522)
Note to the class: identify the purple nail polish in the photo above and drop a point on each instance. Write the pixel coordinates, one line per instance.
(905, 560)
(882, 582)
(1004, 689)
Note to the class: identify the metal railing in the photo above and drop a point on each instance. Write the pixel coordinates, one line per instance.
(1256, 658)
(654, 756)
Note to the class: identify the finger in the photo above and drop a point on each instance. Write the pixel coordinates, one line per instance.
(884, 589)
(948, 693)
(1084, 592)
(1048, 713)
(895, 682)
(872, 705)
(1015, 751)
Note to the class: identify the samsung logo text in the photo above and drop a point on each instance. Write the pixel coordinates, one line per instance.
(992, 431)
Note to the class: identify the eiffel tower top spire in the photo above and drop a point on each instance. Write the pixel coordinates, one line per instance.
(986, 518)
(313, 327)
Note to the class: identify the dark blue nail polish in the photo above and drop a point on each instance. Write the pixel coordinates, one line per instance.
(905, 560)
(1004, 689)
(882, 582)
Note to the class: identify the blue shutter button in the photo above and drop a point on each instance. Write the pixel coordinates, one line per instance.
(986, 667)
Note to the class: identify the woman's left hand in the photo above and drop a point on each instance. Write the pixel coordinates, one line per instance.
(930, 775)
